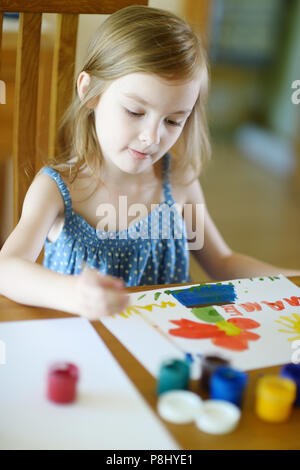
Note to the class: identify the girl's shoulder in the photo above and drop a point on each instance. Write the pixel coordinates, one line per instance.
(42, 205)
(44, 188)
(69, 181)
(186, 186)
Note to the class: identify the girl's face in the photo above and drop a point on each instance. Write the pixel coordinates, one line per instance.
(139, 117)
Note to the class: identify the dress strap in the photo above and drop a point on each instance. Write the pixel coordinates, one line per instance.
(61, 186)
(166, 172)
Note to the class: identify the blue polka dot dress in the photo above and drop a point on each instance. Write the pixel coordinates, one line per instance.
(154, 250)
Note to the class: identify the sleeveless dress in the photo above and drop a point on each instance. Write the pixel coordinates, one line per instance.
(154, 250)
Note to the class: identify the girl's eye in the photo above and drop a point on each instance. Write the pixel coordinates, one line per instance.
(134, 114)
(174, 123)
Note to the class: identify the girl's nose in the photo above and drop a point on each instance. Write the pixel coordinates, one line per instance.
(151, 135)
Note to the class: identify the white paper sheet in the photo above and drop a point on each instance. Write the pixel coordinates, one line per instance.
(276, 325)
(148, 346)
(109, 412)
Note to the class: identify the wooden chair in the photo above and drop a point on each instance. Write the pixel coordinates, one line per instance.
(25, 126)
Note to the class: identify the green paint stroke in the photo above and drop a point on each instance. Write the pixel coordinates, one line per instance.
(208, 314)
(190, 289)
(141, 296)
(274, 277)
(156, 295)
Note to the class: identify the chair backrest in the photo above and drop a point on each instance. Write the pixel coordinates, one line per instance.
(25, 126)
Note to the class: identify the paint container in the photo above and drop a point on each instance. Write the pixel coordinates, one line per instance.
(228, 384)
(179, 406)
(209, 364)
(274, 398)
(292, 371)
(174, 374)
(218, 417)
(61, 382)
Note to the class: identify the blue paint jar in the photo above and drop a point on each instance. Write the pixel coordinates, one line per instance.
(292, 371)
(174, 374)
(228, 384)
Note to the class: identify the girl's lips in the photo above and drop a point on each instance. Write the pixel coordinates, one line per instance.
(139, 155)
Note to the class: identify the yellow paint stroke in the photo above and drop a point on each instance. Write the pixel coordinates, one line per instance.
(228, 328)
(163, 304)
(292, 325)
(135, 308)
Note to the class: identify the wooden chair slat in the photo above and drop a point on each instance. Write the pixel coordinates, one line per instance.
(27, 118)
(1, 21)
(25, 115)
(63, 73)
(68, 6)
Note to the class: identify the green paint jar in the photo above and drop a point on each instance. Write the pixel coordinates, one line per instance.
(174, 374)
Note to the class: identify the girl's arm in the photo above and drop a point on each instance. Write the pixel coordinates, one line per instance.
(22, 280)
(215, 257)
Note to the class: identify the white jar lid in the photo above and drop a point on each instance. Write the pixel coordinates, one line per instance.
(179, 406)
(218, 417)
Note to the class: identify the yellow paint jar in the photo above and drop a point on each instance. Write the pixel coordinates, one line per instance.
(274, 398)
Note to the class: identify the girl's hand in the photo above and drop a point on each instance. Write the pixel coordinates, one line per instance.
(98, 295)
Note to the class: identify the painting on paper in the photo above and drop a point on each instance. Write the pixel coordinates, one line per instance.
(251, 322)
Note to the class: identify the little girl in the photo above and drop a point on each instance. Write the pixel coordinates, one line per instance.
(141, 93)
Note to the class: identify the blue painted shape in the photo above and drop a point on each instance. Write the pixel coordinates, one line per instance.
(205, 294)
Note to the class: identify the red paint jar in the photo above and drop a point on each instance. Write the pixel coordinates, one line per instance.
(61, 382)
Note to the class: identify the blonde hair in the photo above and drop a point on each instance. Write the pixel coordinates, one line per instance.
(137, 39)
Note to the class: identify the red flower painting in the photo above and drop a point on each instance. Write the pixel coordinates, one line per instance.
(229, 334)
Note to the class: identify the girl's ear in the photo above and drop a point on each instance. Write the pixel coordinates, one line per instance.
(83, 82)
